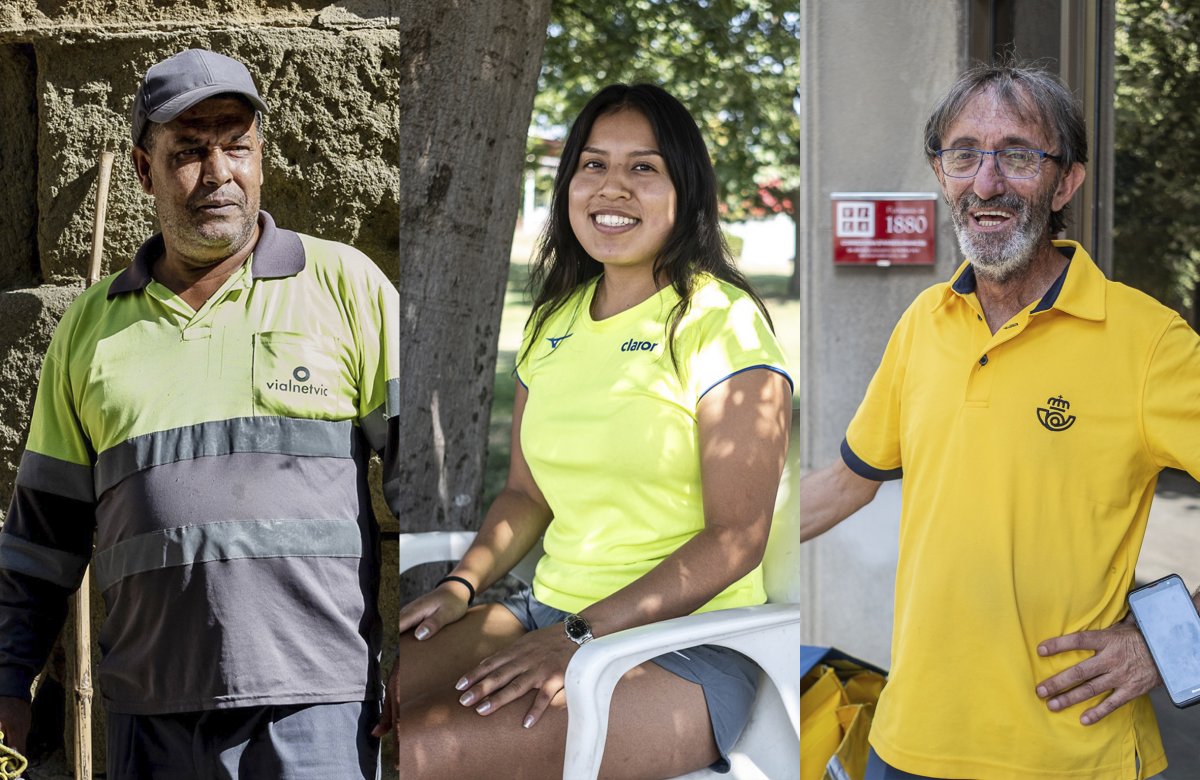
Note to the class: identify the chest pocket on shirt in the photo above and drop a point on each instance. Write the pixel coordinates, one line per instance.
(298, 375)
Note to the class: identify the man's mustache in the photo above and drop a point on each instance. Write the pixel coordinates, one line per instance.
(218, 199)
(1008, 200)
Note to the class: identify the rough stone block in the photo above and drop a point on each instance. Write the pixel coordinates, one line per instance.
(18, 168)
(27, 320)
(25, 15)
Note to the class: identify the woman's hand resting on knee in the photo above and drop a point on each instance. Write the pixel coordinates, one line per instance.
(439, 607)
(535, 662)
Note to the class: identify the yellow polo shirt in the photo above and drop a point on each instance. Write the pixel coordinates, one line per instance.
(1029, 460)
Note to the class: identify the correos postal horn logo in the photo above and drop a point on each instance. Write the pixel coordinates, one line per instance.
(299, 384)
(1054, 416)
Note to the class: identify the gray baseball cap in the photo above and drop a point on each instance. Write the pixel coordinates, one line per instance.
(179, 82)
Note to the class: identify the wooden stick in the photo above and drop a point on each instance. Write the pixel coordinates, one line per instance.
(83, 598)
(102, 182)
(83, 679)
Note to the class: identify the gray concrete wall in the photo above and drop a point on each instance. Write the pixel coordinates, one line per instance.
(68, 72)
(867, 89)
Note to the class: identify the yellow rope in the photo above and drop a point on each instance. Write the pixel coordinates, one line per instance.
(12, 763)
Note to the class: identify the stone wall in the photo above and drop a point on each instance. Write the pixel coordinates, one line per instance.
(51, 17)
(68, 73)
(18, 168)
(27, 318)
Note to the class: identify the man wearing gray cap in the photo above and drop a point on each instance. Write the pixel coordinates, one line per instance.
(208, 414)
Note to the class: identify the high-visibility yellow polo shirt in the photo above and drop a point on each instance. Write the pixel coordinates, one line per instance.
(611, 437)
(1029, 460)
(220, 457)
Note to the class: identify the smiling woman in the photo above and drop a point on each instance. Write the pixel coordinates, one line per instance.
(650, 427)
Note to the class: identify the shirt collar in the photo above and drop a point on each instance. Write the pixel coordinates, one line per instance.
(277, 254)
(1079, 290)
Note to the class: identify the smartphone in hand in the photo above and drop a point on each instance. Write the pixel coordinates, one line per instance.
(1168, 620)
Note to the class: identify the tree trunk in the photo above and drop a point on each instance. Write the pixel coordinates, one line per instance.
(468, 76)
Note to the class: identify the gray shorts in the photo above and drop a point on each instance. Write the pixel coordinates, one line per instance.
(728, 678)
(299, 742)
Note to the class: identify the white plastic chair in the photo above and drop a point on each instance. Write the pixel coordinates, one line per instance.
(768, 634)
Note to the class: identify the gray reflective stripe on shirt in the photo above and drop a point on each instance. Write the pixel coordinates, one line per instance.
(226, 541)
(374, 427)
(279, 435)
(375, 422)
(392, 405)
(59, 477)
(46, 563)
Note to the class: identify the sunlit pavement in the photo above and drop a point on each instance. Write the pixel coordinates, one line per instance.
(1172, 543)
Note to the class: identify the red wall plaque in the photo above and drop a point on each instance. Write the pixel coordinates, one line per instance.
(884, 228)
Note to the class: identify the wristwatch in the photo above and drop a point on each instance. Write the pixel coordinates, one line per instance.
(578, 629)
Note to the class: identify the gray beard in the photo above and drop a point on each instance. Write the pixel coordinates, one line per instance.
(998, 259)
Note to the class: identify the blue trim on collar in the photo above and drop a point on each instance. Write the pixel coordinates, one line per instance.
(1048, 300)
(965, 283)
(866, 470)
(277, 254)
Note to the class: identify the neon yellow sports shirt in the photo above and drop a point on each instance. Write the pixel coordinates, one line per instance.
(1029, 460)
(611, 438)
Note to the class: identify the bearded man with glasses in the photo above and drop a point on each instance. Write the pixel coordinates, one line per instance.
(1029, 403)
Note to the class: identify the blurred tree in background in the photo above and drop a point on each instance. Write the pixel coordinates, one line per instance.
(1156, 234)
(733, 63)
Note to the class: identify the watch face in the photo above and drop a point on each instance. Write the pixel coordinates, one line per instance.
(577, 627)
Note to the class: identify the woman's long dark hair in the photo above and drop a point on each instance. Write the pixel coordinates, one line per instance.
(694, 245)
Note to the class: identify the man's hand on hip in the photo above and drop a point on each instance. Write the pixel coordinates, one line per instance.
(15, 717)
(1121, 667)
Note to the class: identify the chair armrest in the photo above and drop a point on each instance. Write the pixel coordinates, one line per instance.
(768, 634)
(432, 547)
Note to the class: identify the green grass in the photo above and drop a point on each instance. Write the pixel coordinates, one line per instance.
(499, 431)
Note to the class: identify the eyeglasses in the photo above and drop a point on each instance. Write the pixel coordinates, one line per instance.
(1012, 163)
